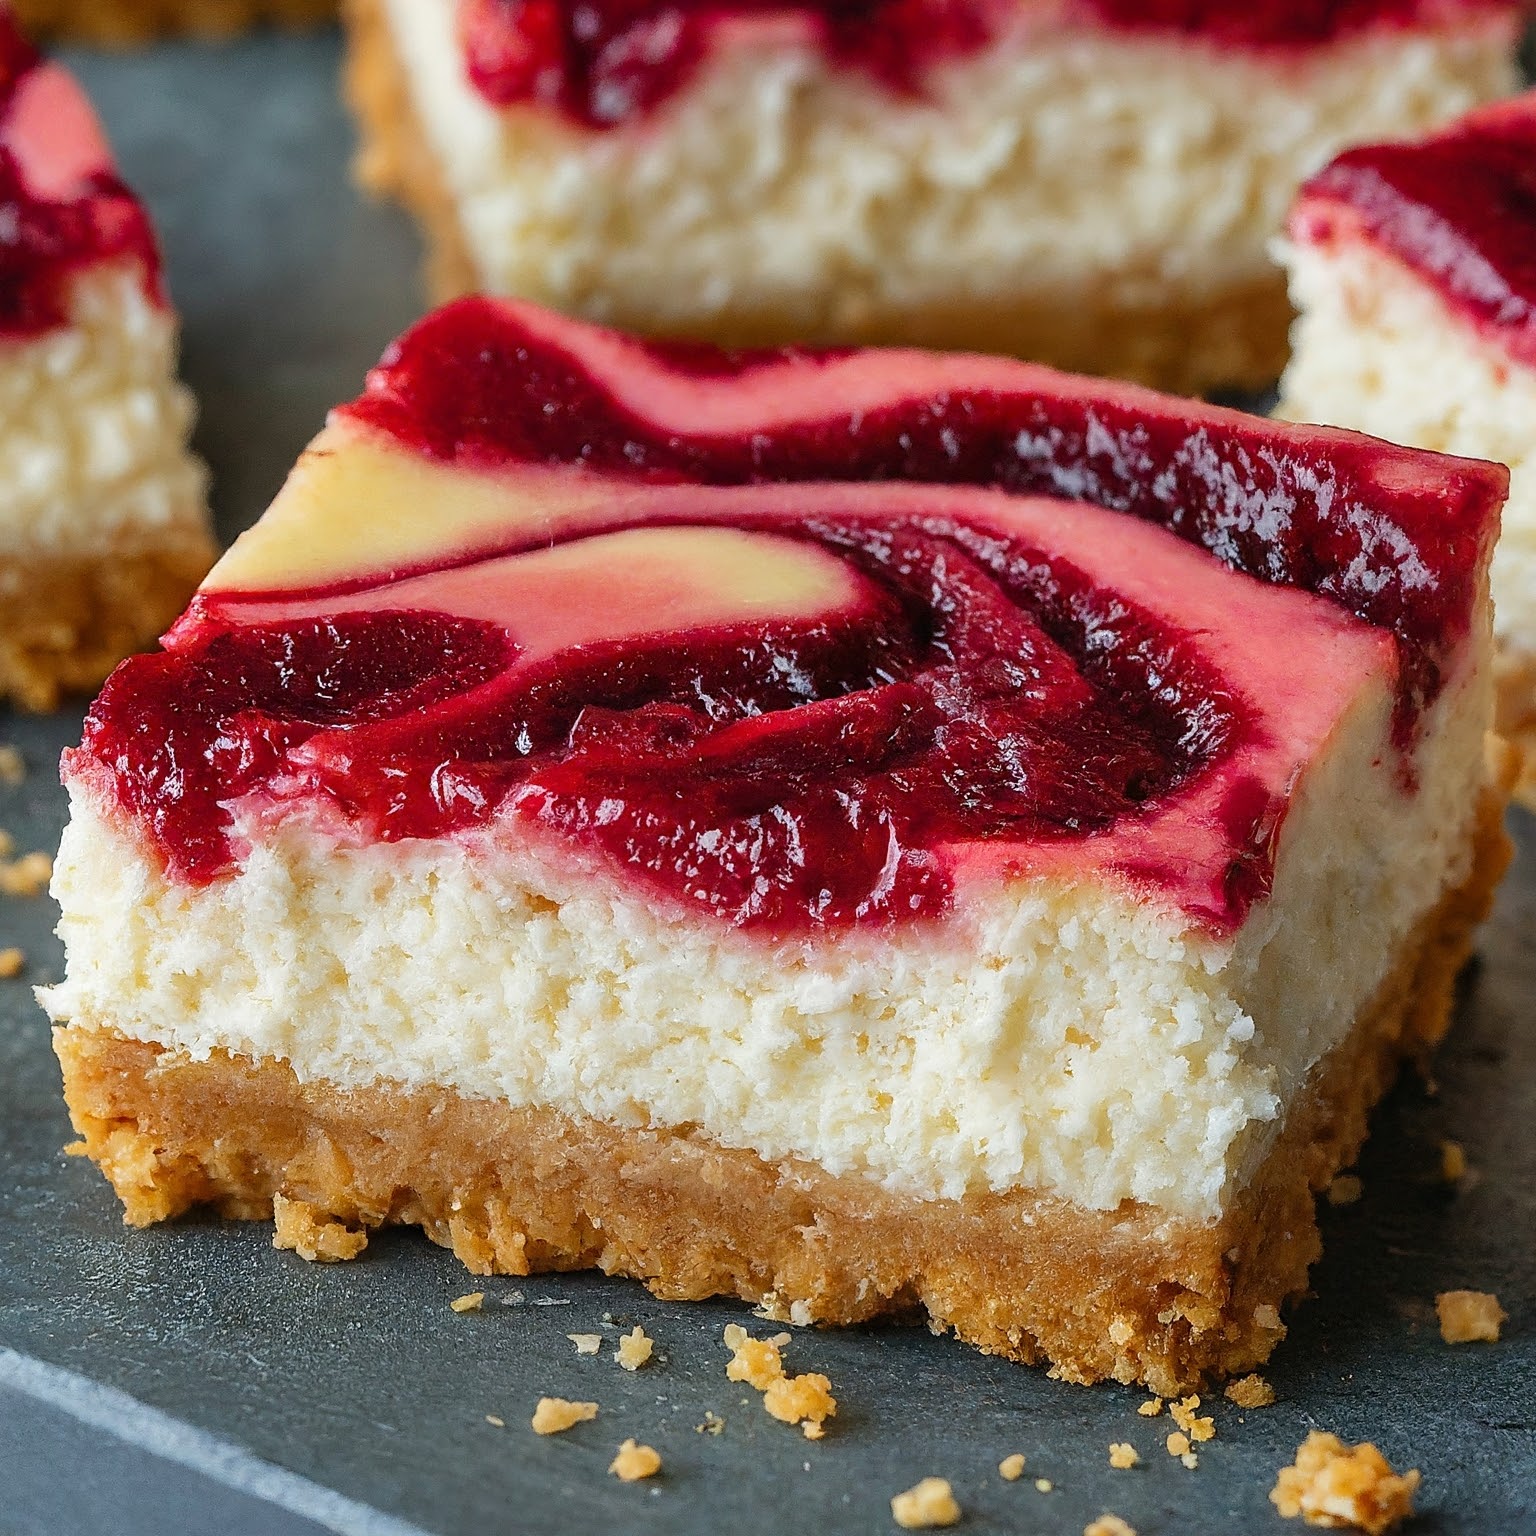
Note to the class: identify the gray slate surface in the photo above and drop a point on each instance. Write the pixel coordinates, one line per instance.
(191, 1379)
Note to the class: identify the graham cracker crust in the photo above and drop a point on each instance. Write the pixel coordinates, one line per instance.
(68, 620)
(1515, 716)
(125, 22)
(1231, 337)
(1132, 1294)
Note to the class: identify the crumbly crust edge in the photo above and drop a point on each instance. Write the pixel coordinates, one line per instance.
(124, 23)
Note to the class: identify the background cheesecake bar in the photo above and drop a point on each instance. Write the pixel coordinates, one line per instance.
(1413, 266)
(1090, 184)
(103, 520)
(137, 21)
(851, 830)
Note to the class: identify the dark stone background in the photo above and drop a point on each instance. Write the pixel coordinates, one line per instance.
(192, 1379)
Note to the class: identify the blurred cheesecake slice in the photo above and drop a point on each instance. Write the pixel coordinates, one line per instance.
(1413, 266)
(103, 522)
(1089, 184)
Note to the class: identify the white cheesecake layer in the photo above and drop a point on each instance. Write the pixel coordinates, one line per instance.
(1055, 1035)
(1377, 349)
(1106, 169)
(94, 429)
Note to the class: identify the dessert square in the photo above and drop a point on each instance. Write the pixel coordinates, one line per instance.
(1413, 267)
(853, 830)
(140, 21)
(1089, 184)
(104, 525)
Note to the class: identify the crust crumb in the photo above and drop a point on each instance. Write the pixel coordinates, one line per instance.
(1250, 1392)
(312, 1234)
(1011, 1468)
(1108, 1525)
(1345, 1190)
(12, 767)
(496, 1421)
(1043, 1485)
(713, 1424)
(1151, 1408)
(11, 962)
(1340, 1486)
(1453, 1162)
(471, 1301)
(1190, 1460)
(931, 1503)
(1198, 1429)
(1178, 1444)
(1469, 1317)
(27, 876)
(805, 1400)
(586, 1343)
(555, 1415)
(634, 1462)
(1123, 1456)
(634, 1349)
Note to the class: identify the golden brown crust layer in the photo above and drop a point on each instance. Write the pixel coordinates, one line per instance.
(139, 21)
(1130, 1294)
(1234, 337)
(1515, 717)
(68, 620)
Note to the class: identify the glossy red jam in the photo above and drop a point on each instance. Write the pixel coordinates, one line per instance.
(790, 774)
(602, 62)
(43, 242)
(771, 774)
(1459, 209)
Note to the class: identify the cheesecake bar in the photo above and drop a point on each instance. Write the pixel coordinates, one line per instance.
(856, 830)
(1088, 183)
(1413, 267)
(103, 524)
(116, 22)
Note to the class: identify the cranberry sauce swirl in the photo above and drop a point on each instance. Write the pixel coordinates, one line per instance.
(48, 235)
(604, 62)
(956, 677)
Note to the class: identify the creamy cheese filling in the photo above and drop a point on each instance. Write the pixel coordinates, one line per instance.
(94, 428)
(1103, 169)
(1377, 349)
(1052, 1034)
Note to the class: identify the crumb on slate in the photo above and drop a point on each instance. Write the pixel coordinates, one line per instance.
(555, 1415)
(1453, 1162)
(1184, 1415)
(12, 961)
(27, 876)
(1011, 1468)
(1123, 1456)
(634, 1349)
(1250, 1392)
(928, 1505)
(713, 1424)
(805, 1400)
(472, 1301)
(313, 1234)
(1469, 1317)
(1151, 1408)
(1108, 1525)
(13, 768)
(635, 1462)
(496, 1421)
(586, 1343)
(1341, 1486)
(1043, 1485)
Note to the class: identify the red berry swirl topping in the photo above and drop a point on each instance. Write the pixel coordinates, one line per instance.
(603, 62)
(1458, 209)
(62, 207)
(794, 640)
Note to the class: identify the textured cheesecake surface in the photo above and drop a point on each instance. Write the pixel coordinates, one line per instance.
(1088, 189)
(1011, 797)
(1412, 266)
(104, 522)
